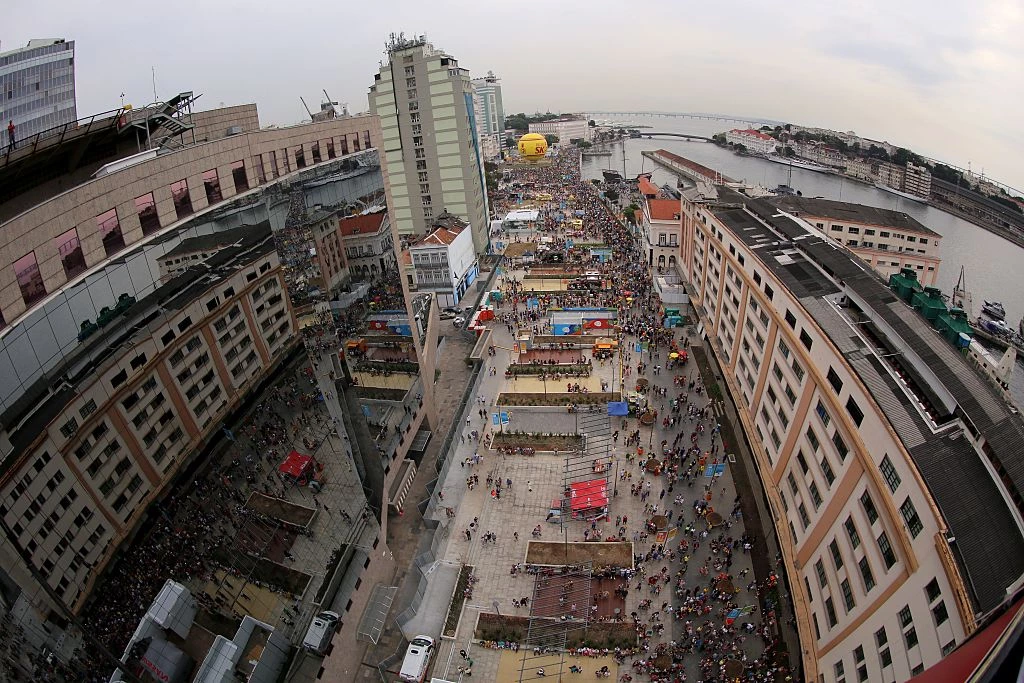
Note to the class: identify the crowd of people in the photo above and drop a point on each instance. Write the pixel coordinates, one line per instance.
(699, 599)
(189, 534)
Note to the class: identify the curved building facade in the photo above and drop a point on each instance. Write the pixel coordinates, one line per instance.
(119, 367)
(890, 465)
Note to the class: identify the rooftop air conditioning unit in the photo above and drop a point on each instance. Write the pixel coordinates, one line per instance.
(234, 130)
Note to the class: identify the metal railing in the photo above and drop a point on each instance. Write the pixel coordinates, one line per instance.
(106, 118)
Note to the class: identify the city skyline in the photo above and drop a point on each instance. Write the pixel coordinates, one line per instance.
(940, 82)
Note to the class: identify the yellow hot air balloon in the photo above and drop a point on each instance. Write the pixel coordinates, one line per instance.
(533, 146)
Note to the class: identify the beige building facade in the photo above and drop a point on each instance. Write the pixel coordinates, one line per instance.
(888, 569)
(81, 467)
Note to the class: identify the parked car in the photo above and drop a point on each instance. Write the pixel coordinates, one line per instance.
(459, 321)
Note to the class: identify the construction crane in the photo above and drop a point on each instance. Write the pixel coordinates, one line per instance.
(307, 108)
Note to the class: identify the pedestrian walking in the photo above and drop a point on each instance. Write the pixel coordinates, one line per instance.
(10, 135)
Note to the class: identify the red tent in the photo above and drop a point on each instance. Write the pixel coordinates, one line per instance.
(296, 465)
(588, 495)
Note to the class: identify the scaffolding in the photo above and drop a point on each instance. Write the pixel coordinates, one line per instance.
(562, 596)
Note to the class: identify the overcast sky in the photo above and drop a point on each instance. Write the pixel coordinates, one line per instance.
(943, 78)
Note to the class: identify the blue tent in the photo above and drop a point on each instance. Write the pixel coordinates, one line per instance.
(618, 408)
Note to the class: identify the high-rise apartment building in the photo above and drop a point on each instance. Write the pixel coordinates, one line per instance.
(37, 86)
(890, 465)
(431, 152)
(491, 113)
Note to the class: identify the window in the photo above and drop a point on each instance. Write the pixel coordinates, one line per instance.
(790, 319)
(783, 349)
(804, 519)
(330, 148)
(906, 618)
(806, 340)
(869, 507)
(851, 531)
(88, 408)
(803, 462)
(769, 292)
(837, 557)
(819, 568)
(826, 469)
(110, 232)
(888, 555)
(910, 637)
(813, 438)
(840, 445)
(866, 574)
(145, 209)
(30, 280)
(823, 414)
(300, 157)
(854, 410)
(69, 248)
(211, 183)
(840, 670)
(833, 379)
(848, 600)
(316, 152)
(932, 591)
(910, 517)
(69, 428)
(815, 495)
(940, 614)
(798, 371)
(892, 477)
(830, 612)
(948, 647)
(182, 199)
(239, 176)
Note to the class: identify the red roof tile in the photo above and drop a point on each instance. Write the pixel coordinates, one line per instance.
(753, 133)
(663, 209)
(647, 188)
(363, 224)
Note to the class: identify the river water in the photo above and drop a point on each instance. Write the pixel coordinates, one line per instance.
(993, 266)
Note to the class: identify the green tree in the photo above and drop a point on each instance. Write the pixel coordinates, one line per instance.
(788, 151)
(510, 142)
(583, 144)
(592, 123)
(944, 172)
(740, 147)
(552, 139)
(630, 213)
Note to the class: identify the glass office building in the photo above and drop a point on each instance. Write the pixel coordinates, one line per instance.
(37, 86)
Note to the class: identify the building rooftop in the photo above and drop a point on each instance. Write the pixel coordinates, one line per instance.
(845, 211)
(752, 133)
(664, 209)
(363, 224)
(694, 166)
(647, 188)
(919, 381)
(217, 240)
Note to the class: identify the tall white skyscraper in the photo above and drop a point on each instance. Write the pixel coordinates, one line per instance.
(37, 86)
(430, 153)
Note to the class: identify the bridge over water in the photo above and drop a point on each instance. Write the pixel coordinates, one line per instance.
(648, 134)
(684, 115)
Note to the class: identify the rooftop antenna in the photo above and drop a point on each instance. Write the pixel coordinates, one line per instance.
(153, 71)
(307, 107)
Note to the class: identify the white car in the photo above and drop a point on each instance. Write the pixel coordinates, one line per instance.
(459, 321)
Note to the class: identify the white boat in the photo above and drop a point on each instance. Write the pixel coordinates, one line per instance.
(797, 163)
(901, 193)
(994, 310)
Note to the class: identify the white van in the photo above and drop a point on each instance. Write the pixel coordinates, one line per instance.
(321, 630)
(417, 659)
